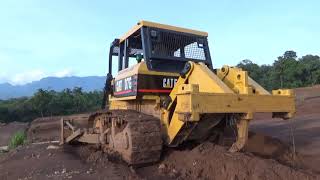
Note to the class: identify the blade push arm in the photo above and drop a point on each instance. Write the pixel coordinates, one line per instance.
(199, 91)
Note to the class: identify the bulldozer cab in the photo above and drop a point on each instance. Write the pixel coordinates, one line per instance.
(164, 48)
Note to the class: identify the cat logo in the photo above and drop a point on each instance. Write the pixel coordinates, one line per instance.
(169, 82)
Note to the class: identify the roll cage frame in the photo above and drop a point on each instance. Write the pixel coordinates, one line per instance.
(140, 42)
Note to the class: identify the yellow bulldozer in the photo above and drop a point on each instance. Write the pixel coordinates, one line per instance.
(166, 92)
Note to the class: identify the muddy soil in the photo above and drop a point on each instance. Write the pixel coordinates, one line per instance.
(209, 161)
(39, 162)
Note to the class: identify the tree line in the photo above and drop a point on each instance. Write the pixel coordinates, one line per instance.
(49, 103)
(287, 71)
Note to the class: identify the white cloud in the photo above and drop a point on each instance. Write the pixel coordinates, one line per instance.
(63, 73)
(26, 77)
(34, 75)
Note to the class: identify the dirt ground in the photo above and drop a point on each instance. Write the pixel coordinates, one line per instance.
(7, 130)
(267, 156)
(304, 127)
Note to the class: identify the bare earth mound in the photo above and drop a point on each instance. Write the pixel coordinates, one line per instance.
(209, 161)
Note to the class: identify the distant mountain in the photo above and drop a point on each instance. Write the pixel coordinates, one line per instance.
(89, 83)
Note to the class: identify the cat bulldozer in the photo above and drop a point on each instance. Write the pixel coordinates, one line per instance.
(166, 92)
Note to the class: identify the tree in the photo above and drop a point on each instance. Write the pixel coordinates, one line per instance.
(286, 69)
(290, 55)
(79, 99)
(41, 101)
(286, 72)
(310, 67)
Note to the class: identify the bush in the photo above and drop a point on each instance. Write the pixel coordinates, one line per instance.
(19, 138)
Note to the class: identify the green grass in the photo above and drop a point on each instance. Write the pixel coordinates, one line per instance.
(19, 138)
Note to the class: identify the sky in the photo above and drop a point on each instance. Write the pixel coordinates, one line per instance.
(40, 38)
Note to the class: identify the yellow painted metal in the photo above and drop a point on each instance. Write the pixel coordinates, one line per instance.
(130, 32)
(201, 91)
(182, 80)
(151, 97)
(173, 28)
(174, 127)
(190, 102)
(230, 91)
(148, 104)
(161, 26)
(239, 81)
(141, 68)
(257, 89)
(165, 119)
(207, 80)
(242, 131)
(118, 104)
(173, 124)
(122, 98)
(281, 92)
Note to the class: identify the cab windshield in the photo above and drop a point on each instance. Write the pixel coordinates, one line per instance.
(175, 45)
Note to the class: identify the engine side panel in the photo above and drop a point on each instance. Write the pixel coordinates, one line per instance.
(139, 81)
